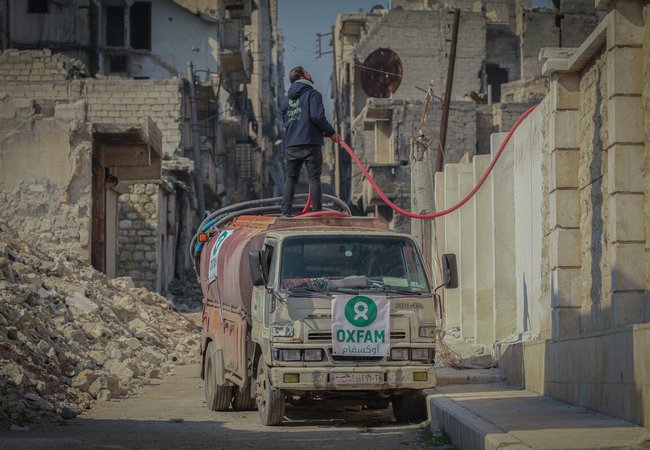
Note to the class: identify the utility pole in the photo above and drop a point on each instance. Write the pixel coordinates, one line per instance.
(196, 150)
(422, 194)
(440, 155)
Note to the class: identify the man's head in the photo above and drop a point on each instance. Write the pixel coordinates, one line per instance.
(299, 73)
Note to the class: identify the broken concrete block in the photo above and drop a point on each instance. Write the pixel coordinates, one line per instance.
(80, 304)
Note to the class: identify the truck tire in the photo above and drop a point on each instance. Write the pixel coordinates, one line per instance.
(242, 401)
(411, 407)
(270, 401)
(217, 397)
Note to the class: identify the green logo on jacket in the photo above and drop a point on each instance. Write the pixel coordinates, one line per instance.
(294, 111)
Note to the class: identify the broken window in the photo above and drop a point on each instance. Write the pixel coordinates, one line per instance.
(383, 142)
(115, 26)
(37, 7)
(496, 76)
(140, 25)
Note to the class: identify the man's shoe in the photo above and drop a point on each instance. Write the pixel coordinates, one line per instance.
(285, 214)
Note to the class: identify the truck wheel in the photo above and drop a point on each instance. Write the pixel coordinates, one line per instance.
(270, 401)
(242, 401)
(217, 397)
(410, 407)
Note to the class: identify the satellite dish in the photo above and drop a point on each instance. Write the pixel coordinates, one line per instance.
(381, 73)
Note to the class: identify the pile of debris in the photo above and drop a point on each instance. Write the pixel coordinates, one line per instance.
(69, 336)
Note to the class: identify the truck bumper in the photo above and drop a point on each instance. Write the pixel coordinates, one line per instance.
(325, 378)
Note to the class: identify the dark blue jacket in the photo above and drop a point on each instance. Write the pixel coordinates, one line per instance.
(304, 116)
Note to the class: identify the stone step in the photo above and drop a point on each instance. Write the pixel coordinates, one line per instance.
(499, 416)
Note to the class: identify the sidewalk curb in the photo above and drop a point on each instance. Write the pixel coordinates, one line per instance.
(466, 429)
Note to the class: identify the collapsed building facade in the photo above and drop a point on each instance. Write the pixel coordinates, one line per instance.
(112, 145)
(385, 60)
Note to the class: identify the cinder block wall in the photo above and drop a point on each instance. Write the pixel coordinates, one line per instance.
(42, 76)
(571, 211)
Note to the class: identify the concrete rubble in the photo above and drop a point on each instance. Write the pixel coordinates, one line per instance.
(70, 336)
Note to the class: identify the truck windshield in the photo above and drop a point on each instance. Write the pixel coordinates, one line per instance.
(382, 262)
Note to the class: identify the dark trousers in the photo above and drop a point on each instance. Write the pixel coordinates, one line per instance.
(312, 157)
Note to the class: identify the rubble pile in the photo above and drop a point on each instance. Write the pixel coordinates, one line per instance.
(70, 336)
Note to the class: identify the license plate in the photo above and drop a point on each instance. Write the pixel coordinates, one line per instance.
(358, 378)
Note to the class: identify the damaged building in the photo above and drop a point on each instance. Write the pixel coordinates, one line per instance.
(112, 145)
(385, 61)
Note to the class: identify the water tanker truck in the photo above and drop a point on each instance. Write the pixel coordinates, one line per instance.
(314, 310)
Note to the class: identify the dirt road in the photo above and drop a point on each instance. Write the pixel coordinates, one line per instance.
(173, 415)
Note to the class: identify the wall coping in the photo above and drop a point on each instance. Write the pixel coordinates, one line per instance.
(563, 60)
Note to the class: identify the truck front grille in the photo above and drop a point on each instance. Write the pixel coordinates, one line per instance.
(337, 358)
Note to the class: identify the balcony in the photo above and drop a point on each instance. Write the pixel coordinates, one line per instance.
(234, 60)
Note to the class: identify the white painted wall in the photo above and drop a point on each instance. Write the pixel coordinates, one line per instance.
(501, 246)
(529, 191)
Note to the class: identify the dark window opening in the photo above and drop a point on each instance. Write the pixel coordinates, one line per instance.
(496, 76)
(117, 63)
(37, 7)
(140, 21)
(115, 26)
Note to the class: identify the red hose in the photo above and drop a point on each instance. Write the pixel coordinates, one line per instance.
(307, 205)
(460, 203)
(408, 213)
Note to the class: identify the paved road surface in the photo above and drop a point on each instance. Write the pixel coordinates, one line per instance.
(173, 415)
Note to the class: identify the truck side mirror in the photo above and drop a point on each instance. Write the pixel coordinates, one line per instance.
(256, 263)
(449, 270)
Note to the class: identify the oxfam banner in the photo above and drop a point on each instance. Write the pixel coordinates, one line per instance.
(360, 325)
(214, 254)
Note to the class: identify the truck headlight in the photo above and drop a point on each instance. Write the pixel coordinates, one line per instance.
(288, 354)
(399, 354)
(313, 354)
(281, 331)
(420, 354)
(427, 331)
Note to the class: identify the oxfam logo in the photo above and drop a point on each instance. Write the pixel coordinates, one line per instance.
(360, 311)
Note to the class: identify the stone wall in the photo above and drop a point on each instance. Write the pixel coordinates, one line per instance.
(45, 177)
(37, 65)
(138, 240)
(420, 38)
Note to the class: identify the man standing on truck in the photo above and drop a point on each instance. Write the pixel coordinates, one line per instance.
(305, 123)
